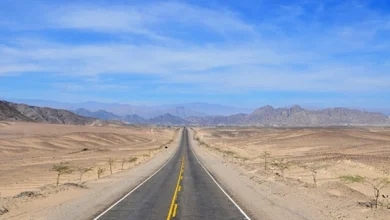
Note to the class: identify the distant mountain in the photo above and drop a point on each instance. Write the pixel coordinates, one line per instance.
(83, 112)
(167, 119)
(23, 112)
(195, 113)
(147, 112)
(104, 115)
(210, 109)
(100, 114)
(181, 110)
(296, 116)
(134, 119)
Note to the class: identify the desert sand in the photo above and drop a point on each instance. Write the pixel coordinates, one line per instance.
(28, 152)
(337, 152)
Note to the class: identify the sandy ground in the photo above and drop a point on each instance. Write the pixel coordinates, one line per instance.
(28, 151)
(336, 151)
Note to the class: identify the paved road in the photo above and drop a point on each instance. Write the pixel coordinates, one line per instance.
(182, 189)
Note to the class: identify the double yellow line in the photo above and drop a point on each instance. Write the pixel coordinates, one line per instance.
(173, 207)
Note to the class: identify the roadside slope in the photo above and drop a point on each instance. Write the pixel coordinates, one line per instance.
(84, 204)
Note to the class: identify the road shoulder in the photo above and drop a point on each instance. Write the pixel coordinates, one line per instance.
(257, 202)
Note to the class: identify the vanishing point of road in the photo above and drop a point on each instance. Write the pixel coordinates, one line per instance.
(181, 189)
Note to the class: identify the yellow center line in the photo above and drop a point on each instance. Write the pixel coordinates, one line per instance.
(173, 207)
(174, 211)
(179, 188)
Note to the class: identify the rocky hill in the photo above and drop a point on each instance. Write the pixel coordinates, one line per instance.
(8, 112)
(22, 112)
(296, 116)
(100, 114)
(167, 119)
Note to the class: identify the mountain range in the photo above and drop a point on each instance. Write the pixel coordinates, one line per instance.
(183, 110)
(296, 116)
(23, 112)
(165, 119)
(264, 116)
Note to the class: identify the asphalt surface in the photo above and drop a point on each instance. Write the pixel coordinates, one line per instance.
(180, 190)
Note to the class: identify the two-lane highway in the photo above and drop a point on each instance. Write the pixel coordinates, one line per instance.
(181, 189)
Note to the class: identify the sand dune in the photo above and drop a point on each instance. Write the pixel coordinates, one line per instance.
(29, 150)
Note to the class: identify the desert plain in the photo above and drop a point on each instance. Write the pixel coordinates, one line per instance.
(333, 155)
(337, 157)
(28, 152)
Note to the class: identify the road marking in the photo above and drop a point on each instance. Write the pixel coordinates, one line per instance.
(179, 188)
(174, 211)
(219, 186)
(124, 197)
(173, 207)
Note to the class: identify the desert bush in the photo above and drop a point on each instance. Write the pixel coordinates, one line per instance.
(244, 159)
(83, 170)
(377, 184)
(100, 171)
(123, 163)
(266, 156)
(61, 169)
(76, 185)
(313, 168)
(229, 153)
(111, 162)
(132, 160)
(282, 165)
(29, 194)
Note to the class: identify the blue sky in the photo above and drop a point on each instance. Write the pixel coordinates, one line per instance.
(243, 53)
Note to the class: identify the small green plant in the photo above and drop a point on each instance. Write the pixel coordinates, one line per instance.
(352, 179)
(83, 170)
(100, 172)
(61, 169)
(377, 184)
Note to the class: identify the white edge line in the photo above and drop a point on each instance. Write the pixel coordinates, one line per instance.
(124, 197)
(230, 198)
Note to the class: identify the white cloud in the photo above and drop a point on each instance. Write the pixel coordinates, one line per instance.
(239, 60)
(146, 19)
